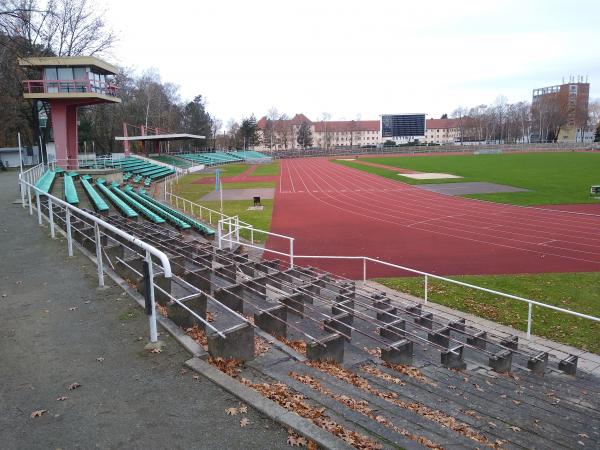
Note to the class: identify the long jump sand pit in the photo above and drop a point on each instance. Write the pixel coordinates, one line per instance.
(240, 194)
(428, 176)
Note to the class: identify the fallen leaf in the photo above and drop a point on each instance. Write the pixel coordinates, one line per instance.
(583, 435)
(38, 413)
(492, 424)
(231, 411)
(156, 350)
(72, 308)
(243, 409)
(74, 386)
(196, 376)
(100, 358)
(514, 428)
(62, 398)
(244, 421)
(296, 441)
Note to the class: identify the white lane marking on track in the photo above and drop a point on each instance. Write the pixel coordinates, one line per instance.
(444, 233)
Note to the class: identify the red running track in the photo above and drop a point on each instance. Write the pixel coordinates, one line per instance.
(335, 210)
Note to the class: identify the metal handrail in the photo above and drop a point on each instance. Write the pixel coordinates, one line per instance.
(84, 85)
(27, 180)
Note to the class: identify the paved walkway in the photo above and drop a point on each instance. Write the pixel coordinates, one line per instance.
(58, 329)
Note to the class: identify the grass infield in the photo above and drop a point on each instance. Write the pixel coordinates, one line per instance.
(566, 290)
(186, 188)
(552, 178)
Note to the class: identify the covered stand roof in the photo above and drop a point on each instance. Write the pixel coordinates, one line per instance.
(159, 137)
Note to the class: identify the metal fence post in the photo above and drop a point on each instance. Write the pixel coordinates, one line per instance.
(237, 229)
(22, 187)
(219, 235)
(69, 235)
(529, 320)
(99, 255)
(426, 287)
(364, 269)
(39, 208)
(291, 253)
(51, 217)
(29, 197)
(252, 234)
(152, 317)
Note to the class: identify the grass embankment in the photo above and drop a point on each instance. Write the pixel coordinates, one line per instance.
(566, 290)
(194, 192)
(552, 178)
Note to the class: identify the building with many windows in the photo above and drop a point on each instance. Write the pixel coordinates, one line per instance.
(442, 131)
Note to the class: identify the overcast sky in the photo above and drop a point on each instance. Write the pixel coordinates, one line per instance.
(351, 58)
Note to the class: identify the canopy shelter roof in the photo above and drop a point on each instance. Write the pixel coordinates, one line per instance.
(159, 137)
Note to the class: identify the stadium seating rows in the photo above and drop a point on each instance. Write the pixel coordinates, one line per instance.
(215, 158)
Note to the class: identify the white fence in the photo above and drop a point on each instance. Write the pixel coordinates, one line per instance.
(27, 183)
(232, 237)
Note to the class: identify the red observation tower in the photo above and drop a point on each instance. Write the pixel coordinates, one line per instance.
(68, 83)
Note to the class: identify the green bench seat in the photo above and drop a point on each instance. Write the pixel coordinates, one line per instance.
(198, 226)
(119, 204)
(99, 204)
(150, 215)
(70, 191)
(172, 219)
(46, 181)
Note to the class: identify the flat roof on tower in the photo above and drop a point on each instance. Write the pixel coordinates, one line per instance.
(91, 61)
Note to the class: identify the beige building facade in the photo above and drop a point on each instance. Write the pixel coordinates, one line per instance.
(442, 131)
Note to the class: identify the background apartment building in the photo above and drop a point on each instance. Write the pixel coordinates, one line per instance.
(442, 131)
(283, 134)
(560, 112)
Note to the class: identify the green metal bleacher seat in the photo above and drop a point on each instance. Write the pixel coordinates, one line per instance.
(172, 219)
(125, 209)
(150, 215)
(198, 226)
(70, 191)
(98, 202)
(46, 181)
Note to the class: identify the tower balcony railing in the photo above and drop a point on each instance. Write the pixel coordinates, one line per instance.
(69, 86)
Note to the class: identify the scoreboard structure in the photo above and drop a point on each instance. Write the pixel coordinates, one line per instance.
(403, 128)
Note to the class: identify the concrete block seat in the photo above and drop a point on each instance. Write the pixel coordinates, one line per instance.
(125, 209)
(97, 202)
(70, 193)
(148, 214)
(46, 181)
(207, 231)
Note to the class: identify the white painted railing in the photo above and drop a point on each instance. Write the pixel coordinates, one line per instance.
(27, 182)
(232, 237)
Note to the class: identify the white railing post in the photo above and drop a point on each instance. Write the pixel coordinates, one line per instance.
(237, 229)
(29, 198)
(51, 217)
(184, 205)
(426, 288)
(99, 255)
(530, 306)
(39, 208)
(219, 232)
(22, 185)
(291, 253)
(152, 318)
(364, 270)
(210, 216)
(252, 234)
(69, 234)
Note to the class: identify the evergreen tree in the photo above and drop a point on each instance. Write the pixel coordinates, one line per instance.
(305, 138)
(597, 135)
(249, 132)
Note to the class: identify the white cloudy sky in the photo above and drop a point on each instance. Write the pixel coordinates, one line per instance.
(352, 58)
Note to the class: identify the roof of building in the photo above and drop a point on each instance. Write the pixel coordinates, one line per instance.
(51, 61)
(347, 125)
(160, 137)
(442, 123)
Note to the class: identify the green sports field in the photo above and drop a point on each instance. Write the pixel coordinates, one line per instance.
(552, 178)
